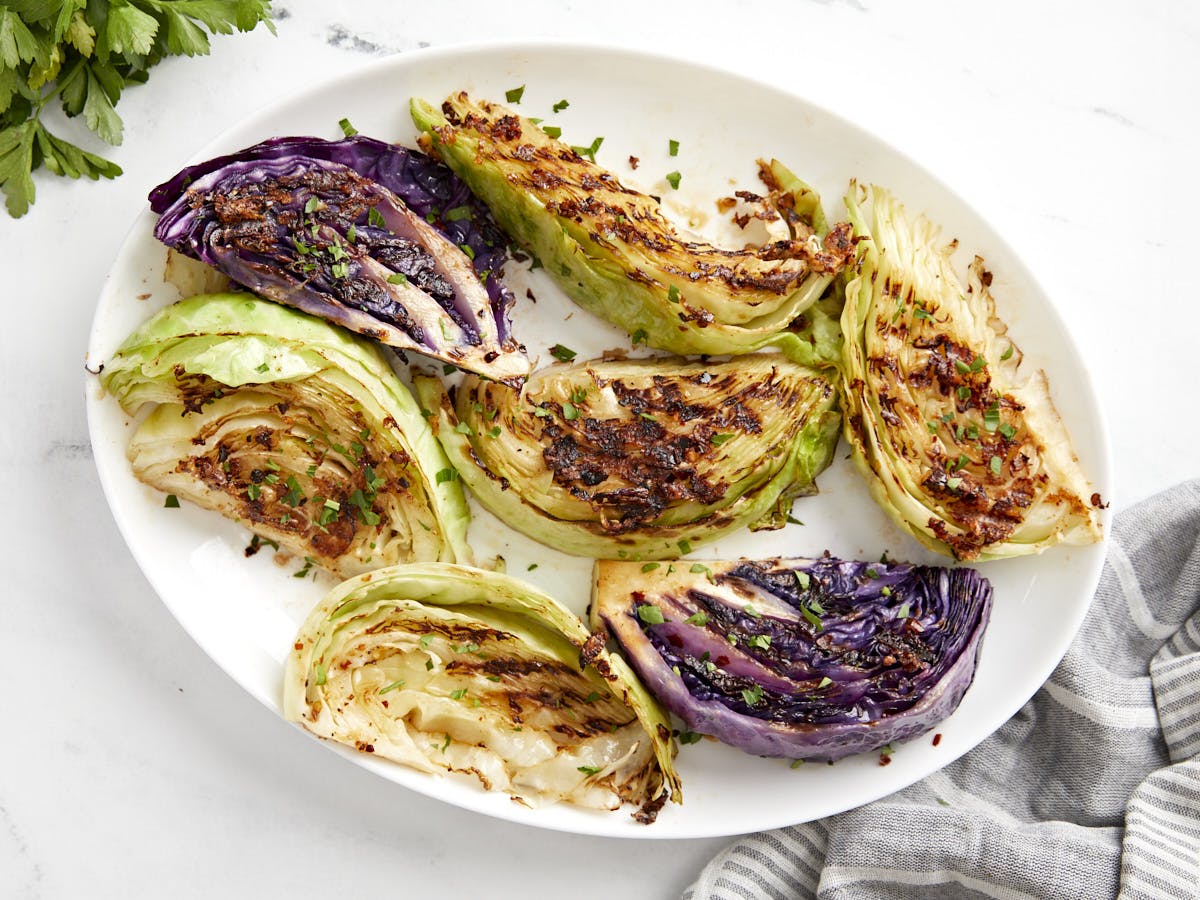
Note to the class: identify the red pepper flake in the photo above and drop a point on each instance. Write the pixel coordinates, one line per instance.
(937, 739)
(884, 759)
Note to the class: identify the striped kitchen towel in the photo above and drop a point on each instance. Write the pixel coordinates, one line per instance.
(1092, 790)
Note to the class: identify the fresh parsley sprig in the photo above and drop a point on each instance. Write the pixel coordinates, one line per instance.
(83, 54)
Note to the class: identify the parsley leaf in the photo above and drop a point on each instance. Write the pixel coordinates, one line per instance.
(83, 55)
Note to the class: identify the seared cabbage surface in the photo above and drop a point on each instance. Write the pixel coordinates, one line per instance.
(295, 428)
(967, 453)
(447, 668)
(800, 658)
(380, 239)
(640, 458)
(613, 251)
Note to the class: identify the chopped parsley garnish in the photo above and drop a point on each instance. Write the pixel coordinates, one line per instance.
(639, 336)
(953, 483)
(347, 129)
(312, 205)
(697, 618)
(792, 520)
(329, 511)
(760, 642)
(825, 682)
(994, 464)
(964, 392)
(718, 439)
(553, 131)
(689, 737)
(395, 685)
(261, 368)
(463, 428)
(309, 562)
(921, 312)
(673, 179)
(458, 212)
(294, 496)
(362, 505)
(494, 432)
(590, 152)
(1007, 354)
(650, 614)
(458, 694)
(804, 580)
(564, 354)
(589, 770)
(253, 491)
(673, 294)
(673, 147)
(172, 502)
(751, 612)
(449, 368)
(685, 546)
(812, 617)
(515, 94)
(445, 475)
(753, 696)
(650, 566)
(468, 250)
(570, 413)
(375, 217)
(1008, 431)
(397, 278)
(560, 105)
(904, 611)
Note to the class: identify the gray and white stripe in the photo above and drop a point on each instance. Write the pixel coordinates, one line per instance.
(1110, 751)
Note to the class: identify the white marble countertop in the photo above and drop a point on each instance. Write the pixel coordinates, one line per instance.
(132, 766)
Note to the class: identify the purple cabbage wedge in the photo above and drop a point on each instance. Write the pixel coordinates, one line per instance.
(800, 658)
(383, 240)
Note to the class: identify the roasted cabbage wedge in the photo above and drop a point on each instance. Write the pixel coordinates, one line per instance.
(640, 458)
(962, 449)
(293, 427)
(801, 658)
(447, 668)
(614, 252)
(375, 237)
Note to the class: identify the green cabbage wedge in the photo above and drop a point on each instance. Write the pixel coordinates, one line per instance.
(446, 668)
(964, 451)
(640, 459)
(293, 427)
(613, 251)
